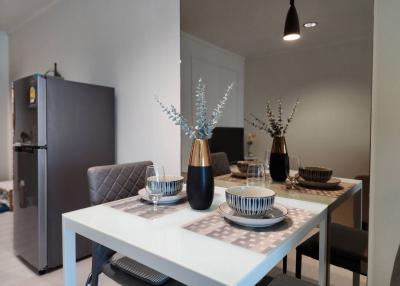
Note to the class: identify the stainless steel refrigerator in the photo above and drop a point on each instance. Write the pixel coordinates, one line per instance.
(61, 128)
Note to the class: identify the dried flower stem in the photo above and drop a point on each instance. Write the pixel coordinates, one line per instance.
(274, 127)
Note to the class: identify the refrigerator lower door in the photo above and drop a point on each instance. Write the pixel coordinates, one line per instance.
(30, 232)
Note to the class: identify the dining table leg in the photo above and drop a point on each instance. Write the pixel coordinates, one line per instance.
(323, 254)
(358, 211)
(69, 256)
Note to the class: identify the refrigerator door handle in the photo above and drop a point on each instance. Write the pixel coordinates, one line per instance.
(42, 207)
(27, 148)
(22, 195)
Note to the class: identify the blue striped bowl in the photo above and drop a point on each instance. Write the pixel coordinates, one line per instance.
(249, 200)
(170, 185)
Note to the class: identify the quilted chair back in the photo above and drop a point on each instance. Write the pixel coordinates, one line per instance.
(220, 164)
(115, 182)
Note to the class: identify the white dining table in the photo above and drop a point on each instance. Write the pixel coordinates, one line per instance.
(191, 258)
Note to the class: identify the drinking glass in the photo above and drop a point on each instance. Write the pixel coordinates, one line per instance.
(155, 177)
(268, 178)
(255, 174)
(294, 165)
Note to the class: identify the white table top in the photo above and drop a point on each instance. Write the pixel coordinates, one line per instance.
(187, 256)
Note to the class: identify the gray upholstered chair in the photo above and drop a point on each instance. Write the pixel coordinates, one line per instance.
(110, 183)
(220, 164)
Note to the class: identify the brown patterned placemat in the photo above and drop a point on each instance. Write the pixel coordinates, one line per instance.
(231, 178)
(260, 240)
(136, 206)
(332, 193)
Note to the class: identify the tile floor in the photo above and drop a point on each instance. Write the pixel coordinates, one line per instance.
(14, 273)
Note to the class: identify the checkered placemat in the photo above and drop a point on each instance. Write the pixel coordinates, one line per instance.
(136, 206)
(332, 193)
(260, 240)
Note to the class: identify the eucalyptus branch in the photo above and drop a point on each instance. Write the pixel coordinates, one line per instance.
(271, 118)
(178, 119)
(259, 124)
(217, 112)
(203, 126)
(201, 109)
(280, 124)
(273, 126)
(291, 116)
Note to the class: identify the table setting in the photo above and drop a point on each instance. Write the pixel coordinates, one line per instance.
(247, 216)
(252, 220)
(162, 195)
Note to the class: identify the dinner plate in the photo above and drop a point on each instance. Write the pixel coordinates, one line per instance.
(331, 184)
(164, 199)
(275, 215)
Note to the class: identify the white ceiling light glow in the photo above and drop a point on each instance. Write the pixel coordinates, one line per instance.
(311, 24)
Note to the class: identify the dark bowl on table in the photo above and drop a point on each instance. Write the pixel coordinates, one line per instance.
(243, 165)
(315, 174)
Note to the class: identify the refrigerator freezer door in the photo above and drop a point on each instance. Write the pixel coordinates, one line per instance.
(30, 232)
(30, 111)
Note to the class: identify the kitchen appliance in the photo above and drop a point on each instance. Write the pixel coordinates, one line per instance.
(61, 128)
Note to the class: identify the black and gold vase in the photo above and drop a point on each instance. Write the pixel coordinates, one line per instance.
(279, 160)
(200, 180)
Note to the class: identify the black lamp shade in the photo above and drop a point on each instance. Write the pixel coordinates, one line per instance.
(292, 25)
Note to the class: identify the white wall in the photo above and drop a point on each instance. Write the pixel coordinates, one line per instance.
(218, 68)
(332, 124)
(130, 45)
(5, 148)
(385, 156)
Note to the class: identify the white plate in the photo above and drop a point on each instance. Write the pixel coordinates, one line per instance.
(165, 199)
(275, 215)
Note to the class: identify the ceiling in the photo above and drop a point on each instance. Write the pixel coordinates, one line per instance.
(16, 12)
(254, 28)
(248, 27)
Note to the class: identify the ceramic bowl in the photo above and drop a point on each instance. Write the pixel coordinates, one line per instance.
(315, 174)
(243, 165)
(171, 185)
(249, 200)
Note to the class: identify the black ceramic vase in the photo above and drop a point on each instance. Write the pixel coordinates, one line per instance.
(200, 180)
(279, 160)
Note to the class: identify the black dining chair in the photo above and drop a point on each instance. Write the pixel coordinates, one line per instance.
(395, 279)
(220, 164)
(349, 249)
(349, 246)
(285, 280)
(365, 200)
(110, 183)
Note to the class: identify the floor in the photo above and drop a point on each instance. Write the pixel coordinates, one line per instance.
(14, 273)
